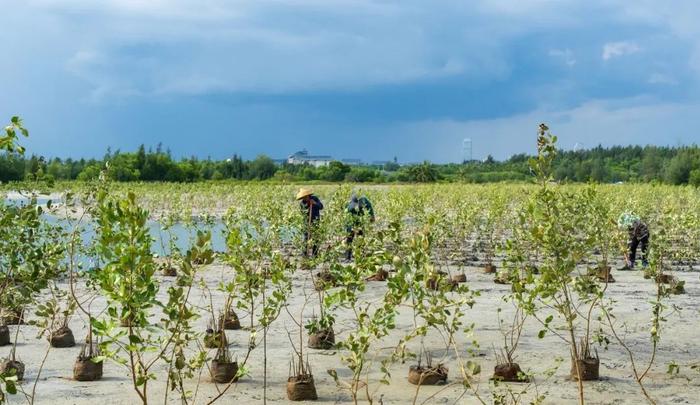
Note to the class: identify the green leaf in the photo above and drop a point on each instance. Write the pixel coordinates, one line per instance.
(10, 387)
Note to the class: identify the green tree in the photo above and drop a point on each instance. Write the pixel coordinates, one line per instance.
(423, 173)
(678, 169)
(335, 171)
(141, 158)
(599, 172)
(361, 175)
(651, 165)
(262, 168)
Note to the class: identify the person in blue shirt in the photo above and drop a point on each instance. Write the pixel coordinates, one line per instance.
(357, 208)
(311, 207)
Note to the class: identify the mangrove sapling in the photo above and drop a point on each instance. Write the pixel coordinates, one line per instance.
(281, 288)
(320, 329)
(506, 368)
(527, 391)
(251, 251)
(89, 364)
(607, 239)
(466, 217)
(300, 383)
(656, 261)
(229, 318)
(12, 366)
(502, 394)
(173, 253)
(237, 259)
(489, 229)
(127, 279)
(427, 374)
(372, 324)
(32, 250)
(664, 246)
(179, 316)
(370, 253)
(440, 310)
(224, 368)
(455, 226)
(215, 336)
(52, 320)
(254, 287)
(586, 366)
(560, 232)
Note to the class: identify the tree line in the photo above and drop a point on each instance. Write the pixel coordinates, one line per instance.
(672, 165)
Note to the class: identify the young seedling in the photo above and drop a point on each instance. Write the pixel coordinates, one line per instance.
(506, 368)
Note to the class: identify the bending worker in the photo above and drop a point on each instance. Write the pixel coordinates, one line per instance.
(357, 208)
(311, 207)
(638, 234)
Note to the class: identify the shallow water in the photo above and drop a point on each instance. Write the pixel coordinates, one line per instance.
(183, 235)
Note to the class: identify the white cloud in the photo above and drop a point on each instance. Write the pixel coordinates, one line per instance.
(565, 55)
(628, 122)
(200, 46)
(174, 47)
(615, 49)
(661, 78)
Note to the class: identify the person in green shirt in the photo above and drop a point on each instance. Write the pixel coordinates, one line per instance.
(638, 235)
(357, 208)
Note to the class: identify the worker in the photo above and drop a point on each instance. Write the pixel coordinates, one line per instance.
(357, 208)
(638, 234)
(311, 207)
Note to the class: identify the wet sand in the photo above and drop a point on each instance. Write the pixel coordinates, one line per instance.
(617, 386)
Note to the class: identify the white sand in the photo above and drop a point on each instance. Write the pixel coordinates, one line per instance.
(617, 386)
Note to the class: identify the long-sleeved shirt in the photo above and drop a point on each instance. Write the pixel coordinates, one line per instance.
(638, 230)
(359, 206)
(316, 208)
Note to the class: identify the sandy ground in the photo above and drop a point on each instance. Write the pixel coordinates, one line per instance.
(617, 386)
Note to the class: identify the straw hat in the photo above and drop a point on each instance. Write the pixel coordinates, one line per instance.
(303, 193)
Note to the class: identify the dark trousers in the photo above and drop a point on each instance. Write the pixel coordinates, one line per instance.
(634, 243)
(351, 233)
(314, 244)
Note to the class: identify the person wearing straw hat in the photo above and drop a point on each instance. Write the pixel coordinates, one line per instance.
(638, 235)
(357, 208)
(311, 207)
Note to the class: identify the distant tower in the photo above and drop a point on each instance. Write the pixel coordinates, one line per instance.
(466, 150)
(578, 147)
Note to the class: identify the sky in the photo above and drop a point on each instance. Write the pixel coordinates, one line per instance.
(364, 79)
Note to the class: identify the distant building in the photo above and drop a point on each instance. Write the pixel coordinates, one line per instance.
(467, 150)
(380, 162)
(303, 157)
(352, 162)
